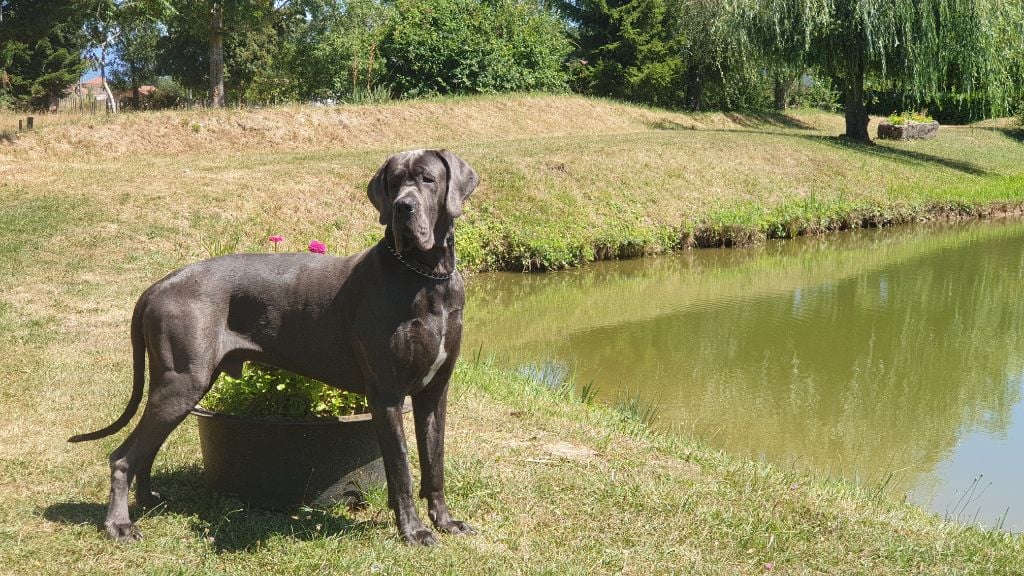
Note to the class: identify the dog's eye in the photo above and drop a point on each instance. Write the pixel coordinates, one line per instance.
(428, 179)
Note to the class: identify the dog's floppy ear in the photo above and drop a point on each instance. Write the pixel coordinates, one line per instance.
(377, 192)
(462, 180)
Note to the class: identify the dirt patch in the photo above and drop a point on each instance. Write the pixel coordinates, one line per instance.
(679, 468)
(568, 451)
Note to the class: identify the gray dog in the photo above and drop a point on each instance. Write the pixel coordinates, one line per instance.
(386, 322)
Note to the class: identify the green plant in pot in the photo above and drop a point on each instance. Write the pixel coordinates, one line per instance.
(906, 118)
(278, 439)
(265, 391)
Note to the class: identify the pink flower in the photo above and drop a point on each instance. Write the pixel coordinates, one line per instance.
(769, 566)
(276, 239)
(317, 247)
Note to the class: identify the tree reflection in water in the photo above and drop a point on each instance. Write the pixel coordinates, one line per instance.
(878, 356)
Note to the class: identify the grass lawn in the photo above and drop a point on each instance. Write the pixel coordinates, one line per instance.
(95, 209)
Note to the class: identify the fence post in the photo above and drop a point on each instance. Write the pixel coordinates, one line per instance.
(21, 125)
(29, 123)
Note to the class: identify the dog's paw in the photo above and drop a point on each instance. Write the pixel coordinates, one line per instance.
(123, 531)
(149, 499)
(456, 527)
(420, 537)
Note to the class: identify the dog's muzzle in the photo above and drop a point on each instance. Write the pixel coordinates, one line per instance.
(411, 224)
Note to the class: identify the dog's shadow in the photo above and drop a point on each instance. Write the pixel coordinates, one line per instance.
(224, 522)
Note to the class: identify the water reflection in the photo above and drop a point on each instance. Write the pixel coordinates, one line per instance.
(891, 357)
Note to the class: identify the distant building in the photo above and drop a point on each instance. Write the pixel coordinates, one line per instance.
(90, 87)
(91, 90)
(144, 91)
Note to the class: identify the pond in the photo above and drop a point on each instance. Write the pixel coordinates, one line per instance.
(893, 358)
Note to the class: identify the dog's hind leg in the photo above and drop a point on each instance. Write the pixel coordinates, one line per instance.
(172, 395)
(144, 493)
(118, 523)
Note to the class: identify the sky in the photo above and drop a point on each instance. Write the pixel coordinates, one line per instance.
(90, 73)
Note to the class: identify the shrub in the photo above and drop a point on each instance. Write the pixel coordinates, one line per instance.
(818, 92)
(7, 101)
(267, 391)
(909, 117)
(337, 57)
(947, 108)
(168, 94)
(472, 46)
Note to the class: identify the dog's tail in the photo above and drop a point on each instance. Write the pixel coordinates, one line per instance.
(139, 375)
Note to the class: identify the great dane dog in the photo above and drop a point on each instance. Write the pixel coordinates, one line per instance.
(386, 322)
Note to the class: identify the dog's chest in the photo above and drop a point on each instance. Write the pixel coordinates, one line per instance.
(427, 341)
(441, 354)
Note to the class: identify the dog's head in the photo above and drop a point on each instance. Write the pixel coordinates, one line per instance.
(419, 193)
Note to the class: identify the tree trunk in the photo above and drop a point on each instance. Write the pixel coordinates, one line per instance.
(855, 111)
(694, 89)
(111, 104)
(782, 88)
(217, 55)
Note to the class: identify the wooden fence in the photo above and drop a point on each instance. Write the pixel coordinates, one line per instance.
(81, 104)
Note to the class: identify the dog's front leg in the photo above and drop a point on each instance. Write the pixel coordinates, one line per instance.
(429, 408)
(387, 419)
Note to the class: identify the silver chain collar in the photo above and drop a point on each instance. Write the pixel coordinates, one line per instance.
(418, 270)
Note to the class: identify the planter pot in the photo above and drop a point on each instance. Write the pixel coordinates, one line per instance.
(911, 131)
(285, 462)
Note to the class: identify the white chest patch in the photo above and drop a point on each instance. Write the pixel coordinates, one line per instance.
(442, 355)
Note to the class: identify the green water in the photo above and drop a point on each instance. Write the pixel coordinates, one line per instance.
(894, 358)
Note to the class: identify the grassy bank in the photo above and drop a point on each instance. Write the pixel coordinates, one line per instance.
(565, 180)
(91, 217)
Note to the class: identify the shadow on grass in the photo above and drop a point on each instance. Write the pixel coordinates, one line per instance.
(76, 513)
(756, 123)
(900, 154)
(224, 522)
(756, 119)
(883, 151)
(668, 125)
(745, 120)
(1015, 134)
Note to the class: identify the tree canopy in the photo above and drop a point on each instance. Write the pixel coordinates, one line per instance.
(921, 47)
(961, 55)
(41, 47)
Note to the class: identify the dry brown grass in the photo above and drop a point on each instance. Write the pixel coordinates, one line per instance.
(289, 128)
(398, 125)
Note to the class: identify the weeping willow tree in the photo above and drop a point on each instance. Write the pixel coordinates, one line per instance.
(924, 47)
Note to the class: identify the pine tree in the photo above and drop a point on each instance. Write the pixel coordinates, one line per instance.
(41, 46)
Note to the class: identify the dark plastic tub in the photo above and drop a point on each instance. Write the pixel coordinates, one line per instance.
(283, 462)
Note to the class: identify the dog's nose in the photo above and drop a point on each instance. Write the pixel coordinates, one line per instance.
(406, 206)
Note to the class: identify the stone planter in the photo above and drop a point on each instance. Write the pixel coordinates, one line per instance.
(285, 462)
(909, 131)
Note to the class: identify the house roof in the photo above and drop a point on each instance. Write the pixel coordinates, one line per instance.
(94, 86)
